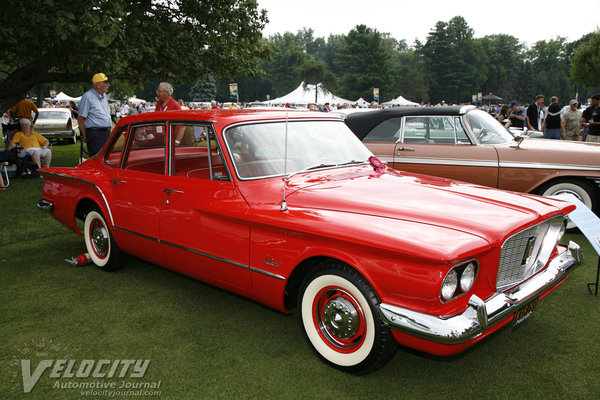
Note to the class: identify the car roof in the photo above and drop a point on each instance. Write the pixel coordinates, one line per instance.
(362, 123)
(226, 117)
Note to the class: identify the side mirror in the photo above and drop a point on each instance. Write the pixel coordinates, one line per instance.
(519, 139)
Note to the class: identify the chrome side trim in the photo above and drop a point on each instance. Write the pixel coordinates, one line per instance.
(237, 264)
(532, 165)
(136, 233)
(484, 163)
(112, 222)
(446, 161)
(272, 275)
(479, 315)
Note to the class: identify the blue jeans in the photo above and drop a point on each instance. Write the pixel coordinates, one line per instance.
(553, 134)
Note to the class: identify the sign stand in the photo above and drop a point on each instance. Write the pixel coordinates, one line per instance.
(589, 285)
(589, 224)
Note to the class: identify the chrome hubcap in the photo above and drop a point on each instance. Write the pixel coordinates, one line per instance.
(99, 238)
(340, 318)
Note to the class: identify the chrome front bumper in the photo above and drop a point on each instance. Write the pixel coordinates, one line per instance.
(480, 315)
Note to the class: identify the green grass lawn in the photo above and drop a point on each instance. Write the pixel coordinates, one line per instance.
(205, 343)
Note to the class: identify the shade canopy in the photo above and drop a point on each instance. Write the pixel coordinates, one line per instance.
(306, 94)
(62, 96)
(491, 97)
(401, 101)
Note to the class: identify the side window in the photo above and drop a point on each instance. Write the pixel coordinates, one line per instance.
(196, 153)
(437, 130)
(387, 131)
(416, 130)
(147, 149)
(441, 130)
(113, 155)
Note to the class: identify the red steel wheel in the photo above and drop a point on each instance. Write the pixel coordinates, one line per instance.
(100, 244)
(338, 311)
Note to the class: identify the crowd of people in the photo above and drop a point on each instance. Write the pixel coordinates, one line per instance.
(572, 122)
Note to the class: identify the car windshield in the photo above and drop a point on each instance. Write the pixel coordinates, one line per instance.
(259, 150)
(53, 115)
(487, 129)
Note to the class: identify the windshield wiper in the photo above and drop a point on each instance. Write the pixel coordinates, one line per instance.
(317, 167)
(353, 162)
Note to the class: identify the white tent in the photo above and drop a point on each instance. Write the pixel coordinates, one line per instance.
(401, 101)
(362, 103)
(136, 101)
(306, 95)
(62, 96)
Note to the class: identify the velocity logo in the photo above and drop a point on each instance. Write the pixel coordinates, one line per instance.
(86, 368)
(37, 361)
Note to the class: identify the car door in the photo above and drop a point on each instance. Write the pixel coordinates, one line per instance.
(440, 146)
(140, 163)
(203, 226)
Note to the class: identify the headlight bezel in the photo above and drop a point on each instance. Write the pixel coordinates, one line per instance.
(458, 270)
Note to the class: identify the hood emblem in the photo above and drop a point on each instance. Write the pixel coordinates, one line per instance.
(377, 165)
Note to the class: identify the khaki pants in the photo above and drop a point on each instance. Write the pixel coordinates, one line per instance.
(593, 138)
(573, 136)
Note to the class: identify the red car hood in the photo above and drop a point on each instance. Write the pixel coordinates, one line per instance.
(488, 213)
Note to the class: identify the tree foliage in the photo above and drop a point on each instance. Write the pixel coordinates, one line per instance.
(176, 40)
(364, 64)
(204, 90)
(585, 63)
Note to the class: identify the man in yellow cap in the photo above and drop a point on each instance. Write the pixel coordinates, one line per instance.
(94, 115)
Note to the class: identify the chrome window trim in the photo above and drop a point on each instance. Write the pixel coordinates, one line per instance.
(130, 134)
(208, 124)
(451, 119)
(229, 152)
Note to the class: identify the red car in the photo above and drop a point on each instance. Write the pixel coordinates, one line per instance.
(291, 210)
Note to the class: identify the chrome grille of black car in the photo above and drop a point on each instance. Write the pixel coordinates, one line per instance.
(512, 268)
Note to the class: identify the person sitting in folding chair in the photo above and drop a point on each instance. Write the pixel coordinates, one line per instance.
(33, 144)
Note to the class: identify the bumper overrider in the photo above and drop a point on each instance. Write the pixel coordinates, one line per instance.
(481, 315)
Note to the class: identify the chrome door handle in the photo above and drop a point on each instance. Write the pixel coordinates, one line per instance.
(115, 181)
(169, 191)
(405, 149)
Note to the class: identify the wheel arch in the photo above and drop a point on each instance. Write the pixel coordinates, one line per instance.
(304, 269)
(85, 205)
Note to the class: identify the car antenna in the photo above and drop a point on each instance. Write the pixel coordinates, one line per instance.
(283, 203)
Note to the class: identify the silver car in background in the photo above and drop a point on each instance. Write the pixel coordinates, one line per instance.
(57, 123)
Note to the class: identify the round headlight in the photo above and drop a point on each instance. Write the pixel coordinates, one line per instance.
(467, 278)
(449, 285)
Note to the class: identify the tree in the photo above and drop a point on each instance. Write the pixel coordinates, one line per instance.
(456, 63)
(585, 63)
(550, 68)
(504, 53)
(283, 69)
(315, 72)
(204, 90)
(409, 76)
(177, 40)
(364, 64)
